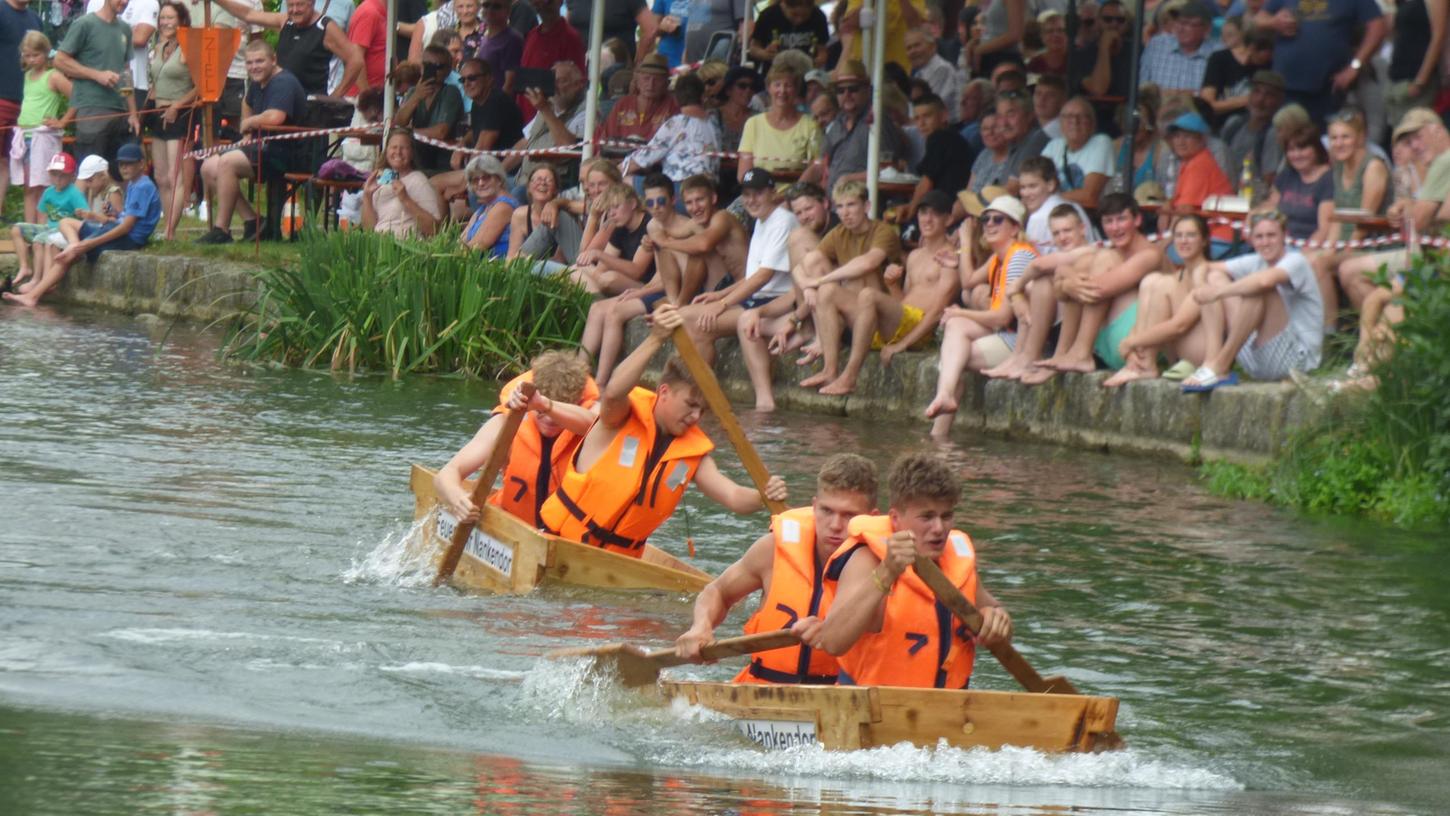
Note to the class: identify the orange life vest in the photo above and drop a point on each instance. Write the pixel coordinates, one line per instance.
(632, 488)
(997, 270)
(796, 591)
(920, 643)
(536, 462)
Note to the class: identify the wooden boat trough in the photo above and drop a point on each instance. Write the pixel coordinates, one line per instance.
(852, 717)
(506, 555)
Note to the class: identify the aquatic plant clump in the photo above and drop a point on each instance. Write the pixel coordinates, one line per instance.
(1385, 453)
(359, 301)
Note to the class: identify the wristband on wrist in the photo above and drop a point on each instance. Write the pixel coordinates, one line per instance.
(880, 583)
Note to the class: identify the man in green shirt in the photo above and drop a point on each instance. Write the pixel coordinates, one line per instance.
(96, 55)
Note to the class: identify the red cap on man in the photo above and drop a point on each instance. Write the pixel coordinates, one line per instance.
(62, 163)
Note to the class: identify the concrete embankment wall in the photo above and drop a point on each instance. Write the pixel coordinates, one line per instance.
(1245, 423)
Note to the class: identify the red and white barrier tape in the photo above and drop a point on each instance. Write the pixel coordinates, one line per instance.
(575, 148)
(1378, 242)
(202, 153)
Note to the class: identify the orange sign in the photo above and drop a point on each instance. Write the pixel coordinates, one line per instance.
(209, 53)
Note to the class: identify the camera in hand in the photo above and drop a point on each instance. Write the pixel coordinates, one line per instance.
(540, 79)
(435, 71)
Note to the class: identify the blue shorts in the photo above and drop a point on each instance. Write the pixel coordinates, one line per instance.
(91, 229)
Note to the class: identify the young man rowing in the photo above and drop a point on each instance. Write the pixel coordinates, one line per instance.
(559, 414)
(636, 462)
(786, 564)
(885, 625)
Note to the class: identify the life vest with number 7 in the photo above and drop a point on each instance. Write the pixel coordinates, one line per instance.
(921, 644)
(796, 591)
(530, 477)
(631, 489)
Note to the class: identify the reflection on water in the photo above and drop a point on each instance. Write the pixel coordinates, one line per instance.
(195, 544)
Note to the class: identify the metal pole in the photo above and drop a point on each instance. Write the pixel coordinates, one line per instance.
(389, 98)
(878, 73)
(591, 101)
(1137, 45)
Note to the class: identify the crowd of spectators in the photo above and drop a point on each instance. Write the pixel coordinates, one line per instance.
(1019, 221)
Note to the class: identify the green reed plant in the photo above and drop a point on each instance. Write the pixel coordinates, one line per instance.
(359, 301)
(1384, 453)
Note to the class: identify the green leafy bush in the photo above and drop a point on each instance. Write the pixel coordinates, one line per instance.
(360, 301)
(1386, 452)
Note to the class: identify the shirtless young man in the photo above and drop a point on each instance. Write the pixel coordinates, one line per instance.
(778, 326)
(850, 258)
(1107, 291)
(1034, 301)
(695, 255)
(909, 315)
(763, 275)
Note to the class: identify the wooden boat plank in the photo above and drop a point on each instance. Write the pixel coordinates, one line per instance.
(865, 717)
(535, 556)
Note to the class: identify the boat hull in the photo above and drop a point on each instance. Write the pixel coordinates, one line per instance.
(506, 555)
(854, 717)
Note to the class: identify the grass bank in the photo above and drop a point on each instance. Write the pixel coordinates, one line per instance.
(359, 301)
(1383, 453)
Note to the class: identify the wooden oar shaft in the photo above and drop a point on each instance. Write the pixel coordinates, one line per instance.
(729, 647)
(1011, 660)
(497, 458)
(704, 377)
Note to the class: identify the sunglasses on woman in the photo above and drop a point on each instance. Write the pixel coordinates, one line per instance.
(995, 219)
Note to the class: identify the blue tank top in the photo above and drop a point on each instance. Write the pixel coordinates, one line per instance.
(500, 247)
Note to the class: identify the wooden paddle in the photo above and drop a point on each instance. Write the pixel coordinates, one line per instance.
(637, 666)
(497, 458)
(1015, 664)
(1011, 659)
(704, 377)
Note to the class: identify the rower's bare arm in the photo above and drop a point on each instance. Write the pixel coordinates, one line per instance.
(721, 595)
(706, 239)
(996, 622)
(575, 418)
(448, 481)
(614, 404)
(859, 606)
(734, 497)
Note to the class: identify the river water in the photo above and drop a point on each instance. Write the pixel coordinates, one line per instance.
(205, 608)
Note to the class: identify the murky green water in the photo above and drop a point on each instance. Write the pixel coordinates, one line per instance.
(204, 609)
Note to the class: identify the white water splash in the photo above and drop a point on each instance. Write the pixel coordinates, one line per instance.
(403, 558)
(944, 763)
(476, 672)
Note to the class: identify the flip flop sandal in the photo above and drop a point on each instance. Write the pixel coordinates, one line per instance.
(1179, 371)
(1209, 380)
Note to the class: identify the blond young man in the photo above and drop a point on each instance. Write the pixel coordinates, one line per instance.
(851, 257)
(906, 315)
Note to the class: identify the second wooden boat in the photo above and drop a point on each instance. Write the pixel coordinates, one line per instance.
(504, 554)
(853, 717)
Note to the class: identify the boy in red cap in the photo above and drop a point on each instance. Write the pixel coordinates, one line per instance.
(60, 200)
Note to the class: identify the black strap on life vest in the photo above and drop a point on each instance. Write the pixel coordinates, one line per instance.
(546, 474)
(600, 536)
(769, 675)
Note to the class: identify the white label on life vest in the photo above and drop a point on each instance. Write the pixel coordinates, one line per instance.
(775, 735)
(628, 451)
(790, 530)
(491, 551)
(678, 476)
(959, 543)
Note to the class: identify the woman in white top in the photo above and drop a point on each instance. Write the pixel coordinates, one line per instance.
(397, 197)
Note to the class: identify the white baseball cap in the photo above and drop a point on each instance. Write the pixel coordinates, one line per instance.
(92, 165)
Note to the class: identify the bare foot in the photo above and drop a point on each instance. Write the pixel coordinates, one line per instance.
(809, 353)
(1013, 369)
(27, 301)
(1084, 365)
(764, 406)
(1126, 375)
(818, 379)
(940, 406)
(1037, 375)
(23, 274)
(839, 386)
